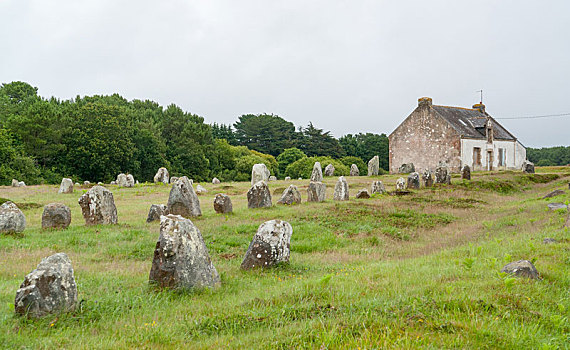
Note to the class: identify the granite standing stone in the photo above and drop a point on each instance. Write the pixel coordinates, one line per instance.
(223, 204)
(183, 199)
(161, 176)
(12, 220)
(259, 196)
(66, 186)
(521, 268)
(373, 166)
(181, 259)
(174, 179)
(290, 196)
(15, 183)
(378, 187)
(528, 167)
(466, 172)
(413, 181)
(272, 178)
(56, 216)
(259, 172)
(329, 170)
(354, 170)
(316, 192)
(201, 189)
(363, 194)
(287, 178)
(442, 175)
(98, 206)
(317, 174)
(215, 181)
(341, 190)
(406, 168)
(400, 184)
(156, 211)
(270, 245)
(427, 178)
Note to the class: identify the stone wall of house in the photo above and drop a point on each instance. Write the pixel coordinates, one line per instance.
(424, 139)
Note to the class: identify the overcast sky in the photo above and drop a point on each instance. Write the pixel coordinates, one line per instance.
(347, 66)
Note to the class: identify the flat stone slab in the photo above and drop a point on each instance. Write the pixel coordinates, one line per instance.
(557, 206)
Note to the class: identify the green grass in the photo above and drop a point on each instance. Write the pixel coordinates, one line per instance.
(416, 271)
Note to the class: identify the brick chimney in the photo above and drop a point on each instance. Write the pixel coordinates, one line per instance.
(424, 102)
(480, 107)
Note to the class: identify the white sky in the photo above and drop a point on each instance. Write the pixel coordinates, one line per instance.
(347, 66)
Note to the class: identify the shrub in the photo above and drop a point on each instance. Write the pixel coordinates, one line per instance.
(289, 155)
(304, 167)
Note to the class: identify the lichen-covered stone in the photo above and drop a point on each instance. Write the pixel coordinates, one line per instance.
(272, 178)
(442, 175)
(125, 180)
(354, 170)
(406, 168)
(223, 204)
(528, 167)
(15, 183)
(554, 194)
(162, 176)
(290, 196)
(329, 170)
(21, 184)
(66, 186)
(259, 196)
(400, 184)
(316, 192)
(173, 179)
(98, 206)
(287, 178)
(413, 182)
(56, 216)
(317, 174)
(427, 178)
(86, 183)
(373, 166)
(549, 241)
(466, 172)
(270, 245)
(378, 187)
(201, 189)
(215, 181)
(183, 199)
(557, 206)
(259, 172)
(156, 211)
(363, 194)
(12, 220)
(49, 289)
(181, 259)
(521, 268)
(130, 180)
(341, 190)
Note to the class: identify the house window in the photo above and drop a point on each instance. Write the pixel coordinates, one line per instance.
(502, 157)
(476, 156)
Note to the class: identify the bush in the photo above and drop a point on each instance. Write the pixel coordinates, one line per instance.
(289, 155)
(304, 167)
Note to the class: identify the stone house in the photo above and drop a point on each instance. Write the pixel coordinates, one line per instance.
(433, 134)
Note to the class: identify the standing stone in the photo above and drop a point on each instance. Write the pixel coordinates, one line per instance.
(528, 167)
(86, 183)
(12, 220)
(130, 181)
(400, 184)
(15, 183)
(259, 196)
(21, 184)
(181, 259)
(413, 181)
(317, 174)
(378, 187)
(77, 183)
(201, 189)
(112, 183)
(373, 166)
(56, 215)
(441, 175)
(354, 170)
(66, 186)
(427, 178)
(121, 180)
(270, 245)
(100, 183)
(98, 206)
(272, 178)
(406, 168)
(156, 211)
(161, 176)
(466, 172)
(329, 170)
(341, 190)
(259, 172)
(521, 268)
(215, 181)
(49, 289)
(316, 192)
(183, 200)
(174, 179)
(290, 196)
(363, 194)
(223, 204)
(287, 178)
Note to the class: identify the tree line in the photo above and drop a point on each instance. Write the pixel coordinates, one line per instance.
(549, 156)
(97, 137)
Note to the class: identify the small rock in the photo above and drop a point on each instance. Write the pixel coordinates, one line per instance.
(329, 170)
(466, 172)
(287, 178)
(49, 289)
(406, 168)
(12, 220)
(98, 206)
(413, 181)
(259, 172)
(400, 184)
(354, 170)
(77, 184)
(363, 194)
(317, 174)
(156, 211)
(316, 192)
(427, 178)
(549, 241)
(378, 187)
(21, 184)
(56, 216)
(66, 186)
(373, 166)
(521, 268)
(223, 204)
(341, 190)
(215, 181)
(201, 189)
(181, 259)
(183, 200)
(174, 179)
(290, 196)
(100, 183)
(270, 245)
(528, 167)
(86, 183)
(557, 206)
(161, 176)
(112, 183)
(300, 178)
(554, 194)
(15, 183)
(259, 196)
(272, 178)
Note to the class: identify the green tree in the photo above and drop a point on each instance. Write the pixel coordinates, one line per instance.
(316, 142)
(304, 167)
(14, 165)
(224, 132)
(288, 156)
(266, 133)
(366, 146)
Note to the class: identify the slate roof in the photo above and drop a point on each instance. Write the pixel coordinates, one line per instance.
(470, 123)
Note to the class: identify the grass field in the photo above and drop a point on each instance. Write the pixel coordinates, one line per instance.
(414, 271)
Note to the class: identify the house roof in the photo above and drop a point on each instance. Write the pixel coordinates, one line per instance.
(471, 122)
